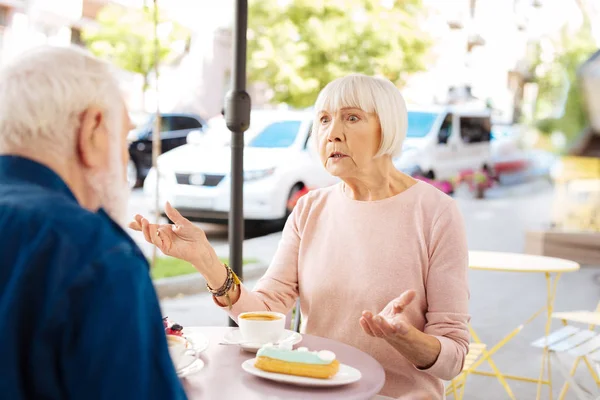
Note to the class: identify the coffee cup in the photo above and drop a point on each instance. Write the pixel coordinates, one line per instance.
(179, 347)
(260, 327)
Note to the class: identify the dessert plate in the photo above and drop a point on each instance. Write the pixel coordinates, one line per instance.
(345, 376)
(197, 341)
(189, 365)
(234, 336)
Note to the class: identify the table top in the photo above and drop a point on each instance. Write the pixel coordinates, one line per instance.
(223, 377)
(514, 262)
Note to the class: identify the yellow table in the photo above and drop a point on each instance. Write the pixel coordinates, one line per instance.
(552, 268)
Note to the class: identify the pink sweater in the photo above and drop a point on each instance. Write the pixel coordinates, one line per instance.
(343, 256)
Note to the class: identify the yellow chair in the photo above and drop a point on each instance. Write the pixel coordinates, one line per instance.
(457, 385)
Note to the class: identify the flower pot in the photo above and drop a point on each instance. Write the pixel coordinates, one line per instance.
(479, 192)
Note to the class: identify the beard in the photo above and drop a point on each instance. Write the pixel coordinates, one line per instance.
(112, 190)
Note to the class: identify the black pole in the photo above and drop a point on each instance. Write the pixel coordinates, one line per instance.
(237, 116)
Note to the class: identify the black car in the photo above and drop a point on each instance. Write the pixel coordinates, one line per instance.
(174, 128)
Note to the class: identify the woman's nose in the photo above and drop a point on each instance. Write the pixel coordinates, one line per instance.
(335, 133)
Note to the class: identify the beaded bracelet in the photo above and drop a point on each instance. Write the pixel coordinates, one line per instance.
(231, 280)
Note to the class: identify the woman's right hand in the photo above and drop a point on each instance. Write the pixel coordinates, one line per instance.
(182, 239)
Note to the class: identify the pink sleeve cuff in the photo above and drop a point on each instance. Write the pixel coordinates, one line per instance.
(450, 361)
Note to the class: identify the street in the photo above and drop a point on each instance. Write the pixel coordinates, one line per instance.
(499, 301)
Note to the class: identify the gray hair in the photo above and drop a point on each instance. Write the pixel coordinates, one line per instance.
(43, 93)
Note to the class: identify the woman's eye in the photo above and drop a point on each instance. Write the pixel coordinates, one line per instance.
(352, 118)
(324, 119)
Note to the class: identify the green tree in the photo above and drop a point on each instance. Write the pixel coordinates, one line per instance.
(297, 47)
(557, 80)
(125, 37)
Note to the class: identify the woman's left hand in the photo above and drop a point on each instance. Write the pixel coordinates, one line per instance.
(391, 322)
(392, 325)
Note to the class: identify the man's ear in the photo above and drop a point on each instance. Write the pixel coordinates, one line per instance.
(92, 137)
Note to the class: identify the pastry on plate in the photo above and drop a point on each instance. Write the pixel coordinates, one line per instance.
(301, 362)
(171, 328)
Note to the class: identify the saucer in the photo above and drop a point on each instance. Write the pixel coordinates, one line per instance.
(190, 365)
(235, 337)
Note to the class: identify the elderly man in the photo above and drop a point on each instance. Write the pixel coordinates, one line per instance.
(80, 317)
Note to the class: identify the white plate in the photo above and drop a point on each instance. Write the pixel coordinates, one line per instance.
(191, 365)
(345, 376)
(234, 336)
(198, 341)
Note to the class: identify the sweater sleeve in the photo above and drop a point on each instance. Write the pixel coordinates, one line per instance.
(448, 293)
(277, 290)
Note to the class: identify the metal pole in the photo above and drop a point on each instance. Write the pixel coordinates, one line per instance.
(156, 139)
(237, 116)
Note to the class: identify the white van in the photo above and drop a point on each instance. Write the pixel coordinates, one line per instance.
(441, 142)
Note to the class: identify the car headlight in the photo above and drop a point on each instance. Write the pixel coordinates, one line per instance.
(258, 174)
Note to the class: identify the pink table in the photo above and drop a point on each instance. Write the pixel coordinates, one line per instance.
(223, 377)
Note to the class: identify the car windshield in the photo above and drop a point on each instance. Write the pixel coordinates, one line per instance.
(279, 134)
(420, 123)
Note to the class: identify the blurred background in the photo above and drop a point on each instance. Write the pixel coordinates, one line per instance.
(504, 115)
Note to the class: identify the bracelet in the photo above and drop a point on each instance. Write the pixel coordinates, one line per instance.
(231, 280)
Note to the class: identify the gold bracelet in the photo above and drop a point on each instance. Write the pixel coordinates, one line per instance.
(236, 284)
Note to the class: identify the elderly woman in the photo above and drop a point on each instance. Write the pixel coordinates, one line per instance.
(379, 260)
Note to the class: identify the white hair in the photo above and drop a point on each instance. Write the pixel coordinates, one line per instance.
(372, 95)
(43, 93)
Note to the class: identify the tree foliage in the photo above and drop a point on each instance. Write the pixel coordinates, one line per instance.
(125, 36)
(557, 79)
(297, 47)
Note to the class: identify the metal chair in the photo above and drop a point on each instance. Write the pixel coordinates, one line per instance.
(297, 317)
(579, 343)
(457, 385)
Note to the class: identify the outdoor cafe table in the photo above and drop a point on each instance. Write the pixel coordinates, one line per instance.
(223, 377)
(551, 268)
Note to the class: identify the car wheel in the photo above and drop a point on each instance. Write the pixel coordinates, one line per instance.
(293, 198)
(132, 174)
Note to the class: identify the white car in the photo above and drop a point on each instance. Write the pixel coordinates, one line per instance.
(278, 163)
(441, 142)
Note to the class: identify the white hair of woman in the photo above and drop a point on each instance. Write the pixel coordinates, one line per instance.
(373, 95)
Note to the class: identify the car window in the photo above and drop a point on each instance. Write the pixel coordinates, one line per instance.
(170, 123)
(183, 123)
(420, 123)
(277, 135)
(475, 129)
(165, 124)
(445, 130)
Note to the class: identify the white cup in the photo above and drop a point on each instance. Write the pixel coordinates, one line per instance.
(261, 331)
(178, 349)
